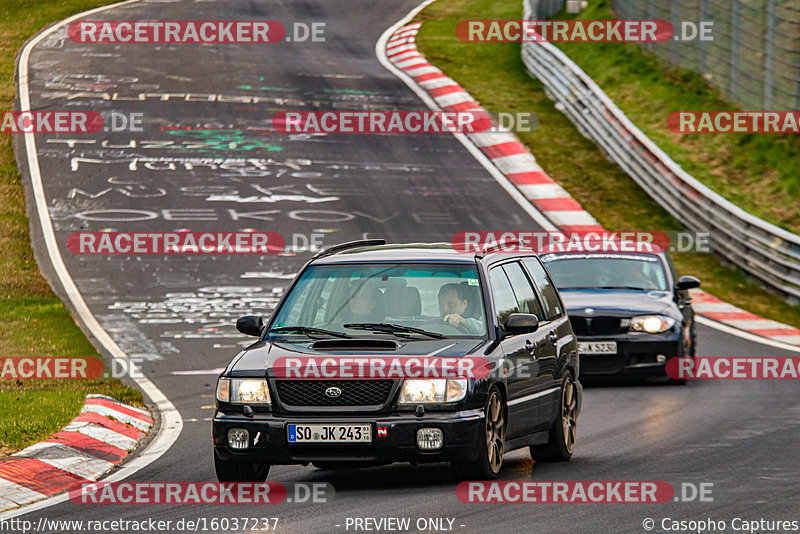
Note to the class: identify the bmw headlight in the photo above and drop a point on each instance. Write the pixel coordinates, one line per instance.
(435, 390)
(652, 324)
(243, 391)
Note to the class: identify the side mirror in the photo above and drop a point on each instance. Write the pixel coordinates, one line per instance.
(250, 325)
(521, 323)
(687, 282)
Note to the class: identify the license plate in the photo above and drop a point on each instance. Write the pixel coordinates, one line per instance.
(329, 433)
(597, 347)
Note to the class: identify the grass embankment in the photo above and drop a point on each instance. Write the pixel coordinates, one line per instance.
(495, 75)
(33, 321)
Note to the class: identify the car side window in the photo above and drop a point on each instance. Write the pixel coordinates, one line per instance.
(552, 303)
(505, 302)
(527, 301)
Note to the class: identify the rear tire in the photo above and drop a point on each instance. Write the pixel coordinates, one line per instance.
(492, 447)
(562, 434)
(237, 470)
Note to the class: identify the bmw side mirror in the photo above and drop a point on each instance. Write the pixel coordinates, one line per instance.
(687, 282)
(521, 323)
(250, 325)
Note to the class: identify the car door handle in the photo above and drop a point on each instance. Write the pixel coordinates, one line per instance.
(553, 337)
(529, 346)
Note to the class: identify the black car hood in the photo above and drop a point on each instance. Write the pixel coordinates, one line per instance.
(617, 302)
(256, 359)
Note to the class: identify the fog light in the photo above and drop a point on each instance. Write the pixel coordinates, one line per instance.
(661, 359)
(430, 439)
(238, 438)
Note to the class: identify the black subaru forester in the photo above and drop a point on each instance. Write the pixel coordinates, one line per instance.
(369, 299)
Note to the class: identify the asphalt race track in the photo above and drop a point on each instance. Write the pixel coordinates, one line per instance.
(176, 313)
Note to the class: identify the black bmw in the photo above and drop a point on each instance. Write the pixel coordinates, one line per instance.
(630, 311)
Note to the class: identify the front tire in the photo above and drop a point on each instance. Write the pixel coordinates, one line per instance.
(684, 353)
(240, 470)
(563, 432)
(492, 447)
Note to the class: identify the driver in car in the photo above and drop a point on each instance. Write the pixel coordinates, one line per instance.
(452, 305)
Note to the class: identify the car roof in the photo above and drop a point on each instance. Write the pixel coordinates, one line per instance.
(407, 252)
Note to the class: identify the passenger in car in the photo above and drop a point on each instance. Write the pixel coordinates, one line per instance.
(366, 303)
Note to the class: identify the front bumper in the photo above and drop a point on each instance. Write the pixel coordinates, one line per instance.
(637, 354)
(462, 432)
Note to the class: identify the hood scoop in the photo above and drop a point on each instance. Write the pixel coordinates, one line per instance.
(355, 344)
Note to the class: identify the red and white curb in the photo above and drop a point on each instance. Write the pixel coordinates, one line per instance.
(718, 310)
(504, 150)
(99, 438)
(514, 160)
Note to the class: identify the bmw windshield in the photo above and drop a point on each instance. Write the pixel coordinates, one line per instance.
(606, 271)
(440, 300)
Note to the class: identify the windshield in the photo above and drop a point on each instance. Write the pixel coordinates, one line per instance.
(623, 271)
(440, 299)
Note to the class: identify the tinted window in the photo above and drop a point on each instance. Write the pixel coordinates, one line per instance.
(527, 301)
(505, 302)
(606, 271)
(552, 304)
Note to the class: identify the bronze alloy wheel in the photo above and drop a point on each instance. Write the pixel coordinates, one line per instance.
(495, 431)
(569, 413)
(561, 438)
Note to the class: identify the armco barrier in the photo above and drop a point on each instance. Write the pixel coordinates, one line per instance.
(761, 249)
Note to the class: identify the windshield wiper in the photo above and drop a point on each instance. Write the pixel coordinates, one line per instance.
(623, 287)
(309, 331)
(393, 328)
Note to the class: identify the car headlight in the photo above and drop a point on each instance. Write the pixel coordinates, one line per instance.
(243, 391)
(434, 390)
(652, 324)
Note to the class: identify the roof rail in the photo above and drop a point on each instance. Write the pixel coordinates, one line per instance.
(350, 244)
(496, 246)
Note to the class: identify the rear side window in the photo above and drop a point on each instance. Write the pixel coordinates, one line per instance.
(505, 302)
(552, 304)
(527, 301)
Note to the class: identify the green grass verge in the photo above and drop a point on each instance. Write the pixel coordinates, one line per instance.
(758, 172)
(33, 321)
(495, 75)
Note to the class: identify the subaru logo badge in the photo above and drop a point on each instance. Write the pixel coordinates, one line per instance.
(333, 392)
(589, 311)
